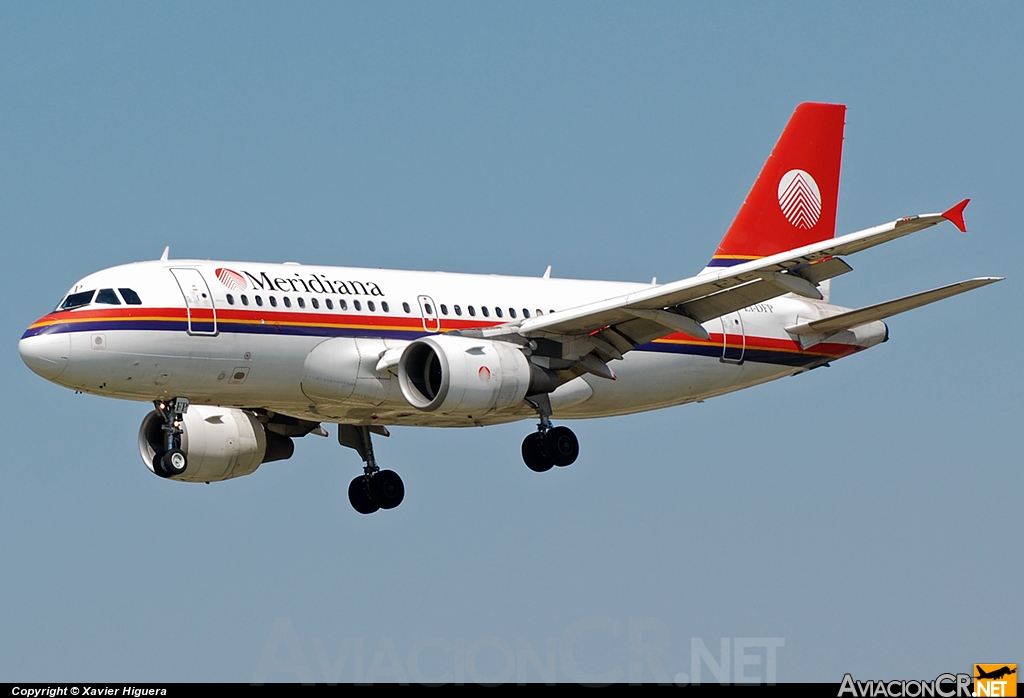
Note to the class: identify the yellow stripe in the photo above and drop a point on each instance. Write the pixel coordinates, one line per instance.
(68, 321)
(737, 256)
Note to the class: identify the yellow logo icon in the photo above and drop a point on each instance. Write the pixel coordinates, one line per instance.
(995, 680)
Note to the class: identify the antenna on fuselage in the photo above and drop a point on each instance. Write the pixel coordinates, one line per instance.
(167, 252)
(547, 273)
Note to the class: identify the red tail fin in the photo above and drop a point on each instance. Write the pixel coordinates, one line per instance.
(793, 202)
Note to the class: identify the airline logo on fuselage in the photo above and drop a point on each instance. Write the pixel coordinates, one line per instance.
(297, 283)
(232, 279)
(800, 199)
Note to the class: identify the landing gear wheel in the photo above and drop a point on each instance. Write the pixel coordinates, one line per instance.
(387, 489)
(359, 496)
(174, 462)
(561, 446)
(158, 464)
(533, 453)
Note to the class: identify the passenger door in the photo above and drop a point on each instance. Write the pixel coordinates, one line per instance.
(202, 315)
(734, 339)
(431, 322)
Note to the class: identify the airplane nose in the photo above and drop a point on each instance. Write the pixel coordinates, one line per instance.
(46, 354)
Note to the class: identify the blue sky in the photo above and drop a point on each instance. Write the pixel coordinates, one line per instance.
(862, 513)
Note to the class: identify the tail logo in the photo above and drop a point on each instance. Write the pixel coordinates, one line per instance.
(231, 279)
(800, 199)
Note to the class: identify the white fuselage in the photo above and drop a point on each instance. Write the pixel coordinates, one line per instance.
(238, 334)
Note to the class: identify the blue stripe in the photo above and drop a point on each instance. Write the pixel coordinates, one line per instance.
(719, 262)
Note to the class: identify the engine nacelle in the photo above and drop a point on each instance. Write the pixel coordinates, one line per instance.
(463, 376)
(219, 443)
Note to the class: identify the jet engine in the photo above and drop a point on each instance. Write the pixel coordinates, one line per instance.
(465, 376)
(219, 443)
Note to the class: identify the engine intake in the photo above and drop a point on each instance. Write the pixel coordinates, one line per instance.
(219, 443)
(466, 376)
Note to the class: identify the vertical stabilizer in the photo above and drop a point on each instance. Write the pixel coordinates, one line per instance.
(793, 202)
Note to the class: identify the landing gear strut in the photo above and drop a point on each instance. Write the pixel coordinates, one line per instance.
(171, 460)
(375, 488)
(549, 445)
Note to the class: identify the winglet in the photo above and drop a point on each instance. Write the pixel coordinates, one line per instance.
(955, 215)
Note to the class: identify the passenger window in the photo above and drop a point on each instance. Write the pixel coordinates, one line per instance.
(245, 299)
(259, 301)
(472, 311)
(107, 296)
(315, 302)
(231, 299)
(526, 313)
(77, 300)
(485, 311)
(369, 306)
(428, 309)
(512, 312)
(273, 301)
(405, 307)
(458, 310)
(130, 296)
(539, 311)
(497, 311)
(444, 309)
(330, 304)
(302, 302)
(343, 304)
(287, 302)
(384, 306)
(357, 305)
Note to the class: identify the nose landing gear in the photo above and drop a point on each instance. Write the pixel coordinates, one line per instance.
(549, 445)
(171, 460)
(375, 488)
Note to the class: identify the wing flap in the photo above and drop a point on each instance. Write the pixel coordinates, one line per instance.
(824, 270)
(862, 316)
(725, 302)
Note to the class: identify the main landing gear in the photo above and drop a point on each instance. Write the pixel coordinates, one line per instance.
(171, 460)
(549, 446)
(375, 488)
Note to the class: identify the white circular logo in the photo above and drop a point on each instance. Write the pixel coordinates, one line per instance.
(800, 199)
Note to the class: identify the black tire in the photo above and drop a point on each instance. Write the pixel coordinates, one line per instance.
(174, 462)
(387, 489)
(359, 496)
(533, 453)
(158, 465)
(561, 446)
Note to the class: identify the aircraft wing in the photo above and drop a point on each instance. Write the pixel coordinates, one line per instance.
(613, 326)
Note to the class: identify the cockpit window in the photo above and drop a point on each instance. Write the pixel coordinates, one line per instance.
(76, 300)
(107, 296)
(130, 296)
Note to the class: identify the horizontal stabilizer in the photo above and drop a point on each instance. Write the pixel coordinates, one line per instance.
(862, 316)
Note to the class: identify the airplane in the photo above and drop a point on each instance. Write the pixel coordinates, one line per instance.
(995, 674)
(241, 358)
